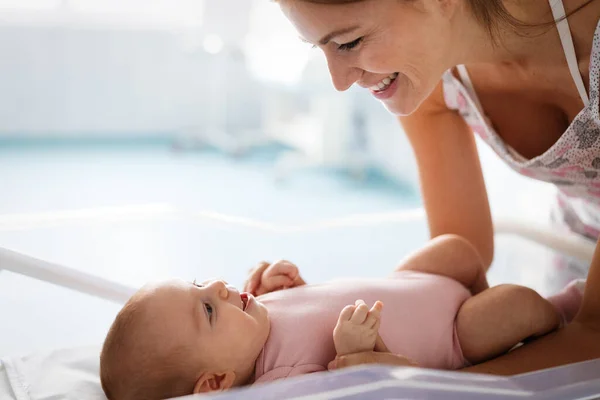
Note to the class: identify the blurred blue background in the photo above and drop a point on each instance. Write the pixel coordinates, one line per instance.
(144, 139)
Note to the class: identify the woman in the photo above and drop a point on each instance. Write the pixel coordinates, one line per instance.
(515, 72)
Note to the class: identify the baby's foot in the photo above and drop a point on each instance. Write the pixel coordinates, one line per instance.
(568, 300)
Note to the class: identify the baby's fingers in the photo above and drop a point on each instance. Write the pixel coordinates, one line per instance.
(374, 317)
(253, 280)
(346, 313)
(282, 267)
(361, 313)
(273, 283)
(376, 309)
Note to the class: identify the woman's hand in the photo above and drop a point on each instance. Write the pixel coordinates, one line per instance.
(369, 357)
(267, 277)
(357, 328)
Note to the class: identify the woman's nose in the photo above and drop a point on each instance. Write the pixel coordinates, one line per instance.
(342, 75)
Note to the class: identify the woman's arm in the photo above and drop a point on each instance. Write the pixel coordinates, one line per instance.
(370, 357)
(589, 313)
(574, 343)
(450, 174)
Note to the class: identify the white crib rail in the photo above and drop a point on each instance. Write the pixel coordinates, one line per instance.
(567, 244)
(64, 276)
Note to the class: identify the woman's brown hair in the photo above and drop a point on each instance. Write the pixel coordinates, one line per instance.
(491, 14)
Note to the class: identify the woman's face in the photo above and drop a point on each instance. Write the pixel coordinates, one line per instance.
(396, 49)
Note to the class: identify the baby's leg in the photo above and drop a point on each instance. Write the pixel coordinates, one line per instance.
(451, 256)
(494, 321)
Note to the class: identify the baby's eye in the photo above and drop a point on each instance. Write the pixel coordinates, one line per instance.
(209, 309)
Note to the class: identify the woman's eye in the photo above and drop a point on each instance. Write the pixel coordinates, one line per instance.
(350, 45)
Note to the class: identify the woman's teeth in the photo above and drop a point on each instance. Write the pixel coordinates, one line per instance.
(384, 83)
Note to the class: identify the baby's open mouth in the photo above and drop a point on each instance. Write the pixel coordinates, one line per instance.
(244, 297)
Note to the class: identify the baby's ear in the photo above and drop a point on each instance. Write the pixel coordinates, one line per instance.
(214, 382)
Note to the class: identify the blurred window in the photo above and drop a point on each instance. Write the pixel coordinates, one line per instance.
(175, 14)
(29, 4)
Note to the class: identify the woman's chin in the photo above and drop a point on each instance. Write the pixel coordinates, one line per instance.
(400, 106)
(407, 97)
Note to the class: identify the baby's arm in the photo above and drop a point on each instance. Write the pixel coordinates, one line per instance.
(451, 256)
(494, 321)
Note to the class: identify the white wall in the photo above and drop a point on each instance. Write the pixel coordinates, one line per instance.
(65, 81)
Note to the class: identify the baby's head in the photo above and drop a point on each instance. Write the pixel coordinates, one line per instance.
(177, 338)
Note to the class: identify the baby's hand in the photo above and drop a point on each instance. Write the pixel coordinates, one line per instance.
(357, 328)
(266, 277)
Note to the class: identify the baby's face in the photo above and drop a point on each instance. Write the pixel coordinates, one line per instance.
(228, 329)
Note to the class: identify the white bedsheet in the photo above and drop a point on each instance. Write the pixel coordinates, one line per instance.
(72, 374)
(69, 374)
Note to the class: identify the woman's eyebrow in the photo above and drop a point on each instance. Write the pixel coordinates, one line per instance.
(327, 38)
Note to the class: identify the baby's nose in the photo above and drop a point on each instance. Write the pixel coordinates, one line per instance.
(221, 288)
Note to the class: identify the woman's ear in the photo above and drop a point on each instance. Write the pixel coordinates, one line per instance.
(214, 382)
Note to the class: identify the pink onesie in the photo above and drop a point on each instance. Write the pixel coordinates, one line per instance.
(417, 321)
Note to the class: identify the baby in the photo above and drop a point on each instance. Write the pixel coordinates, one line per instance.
(176, 338)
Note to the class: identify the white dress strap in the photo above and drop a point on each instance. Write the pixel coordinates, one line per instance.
(558, 12)
(468, 84)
